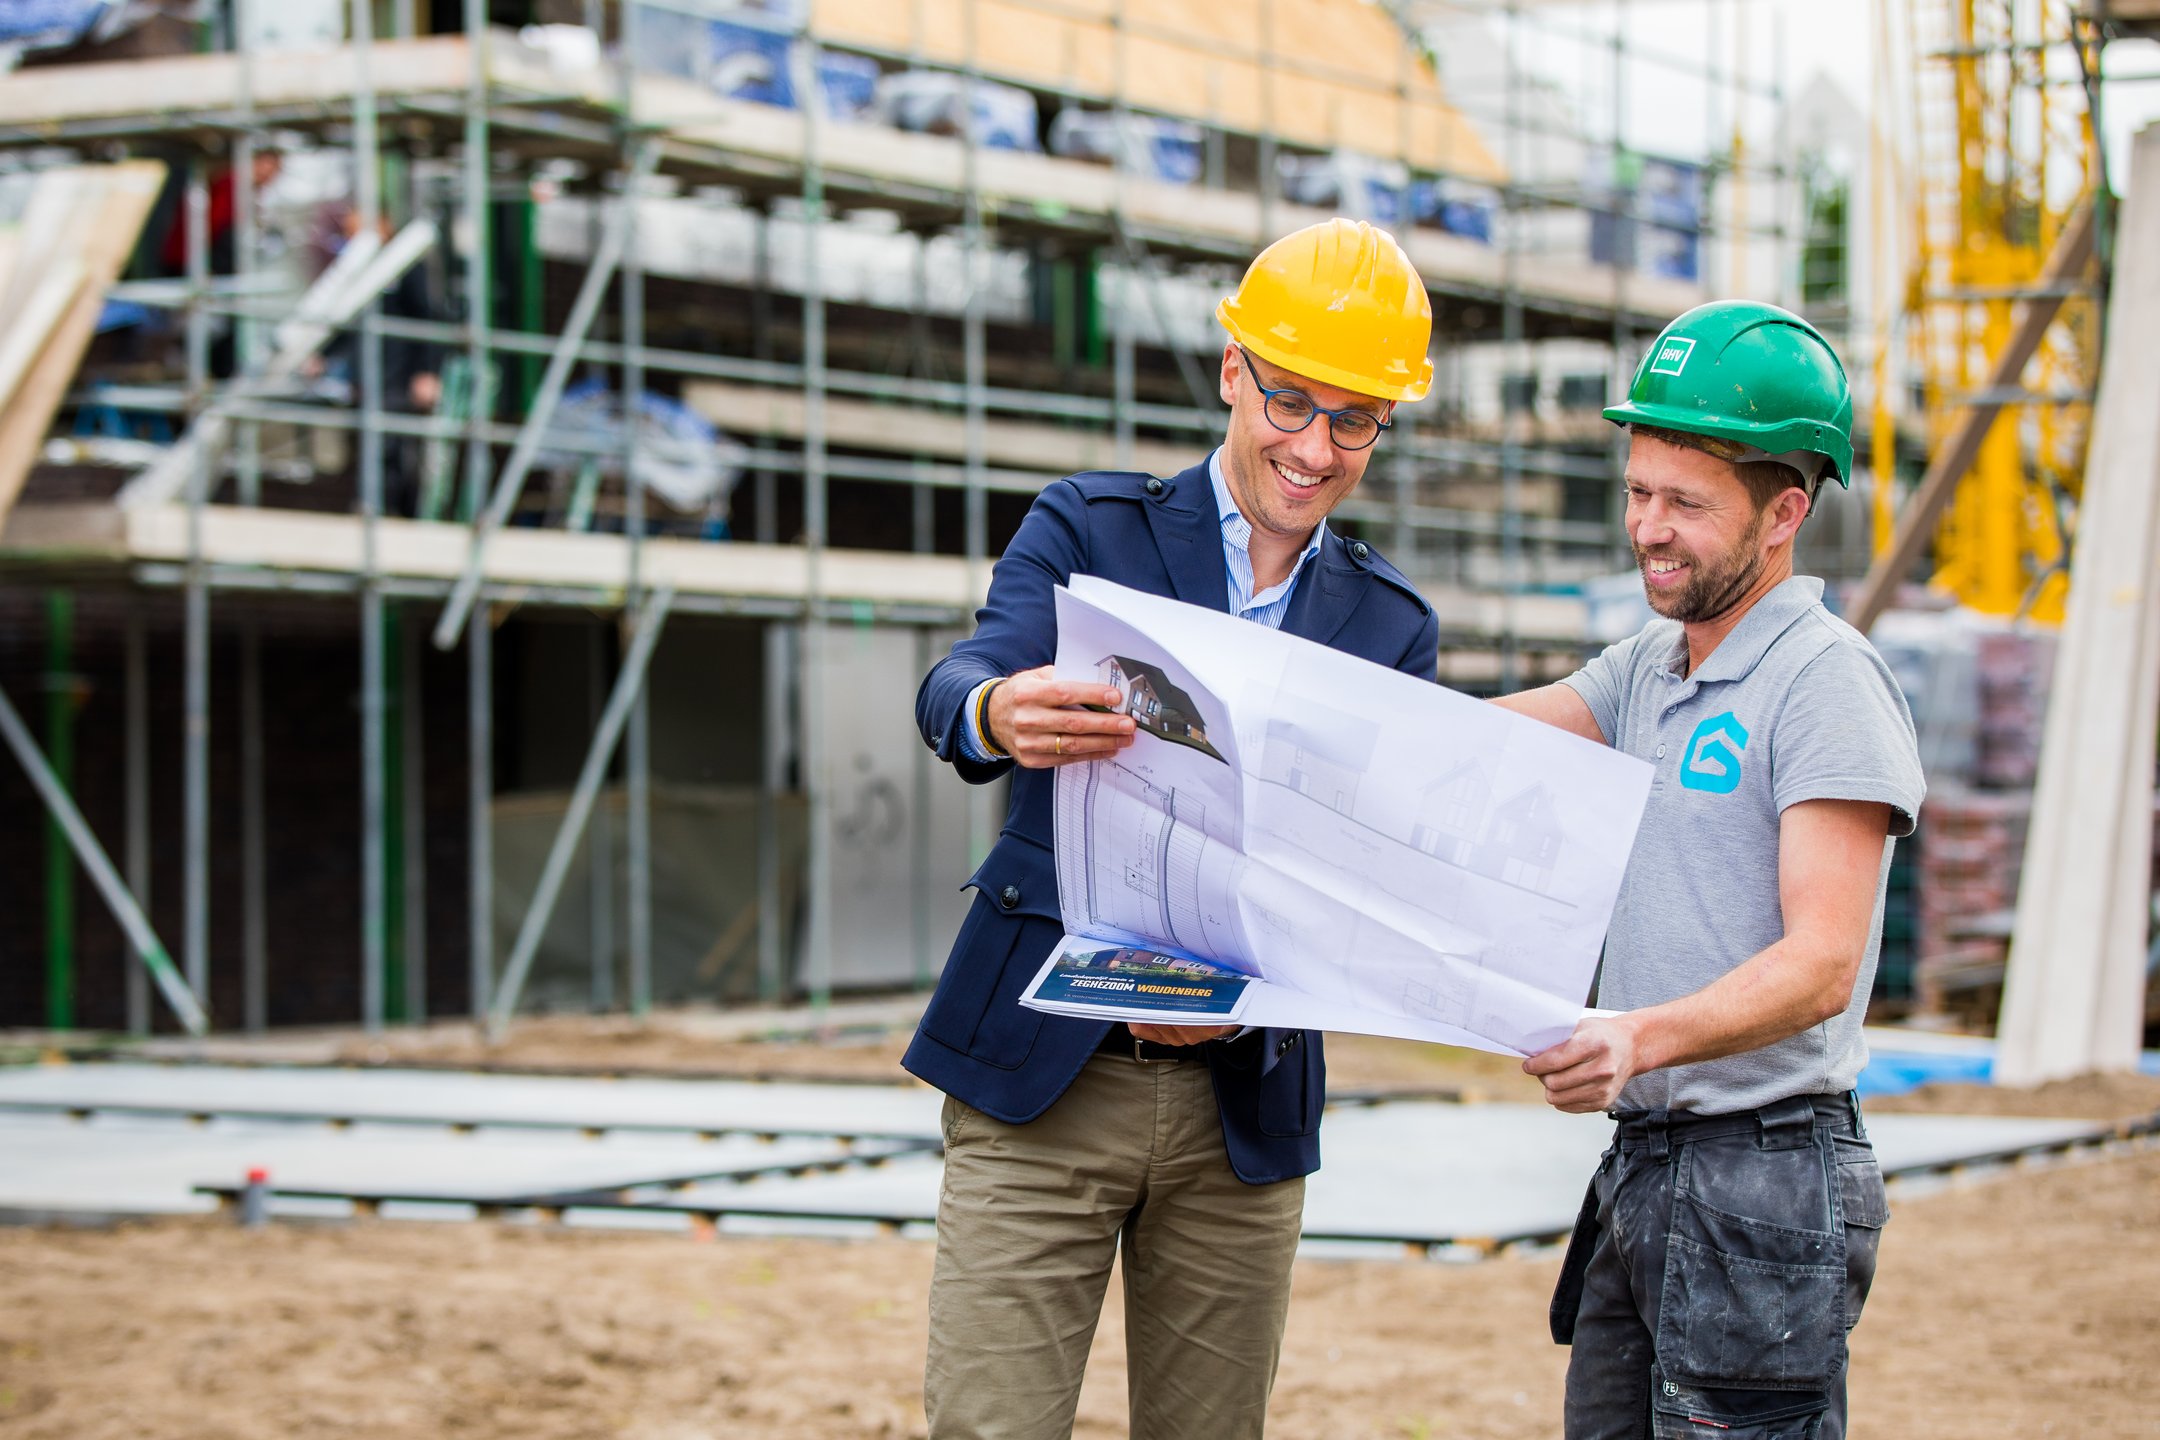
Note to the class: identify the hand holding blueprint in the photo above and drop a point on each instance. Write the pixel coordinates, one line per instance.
(1301, 838)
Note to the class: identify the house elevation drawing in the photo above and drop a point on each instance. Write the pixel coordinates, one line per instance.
(1377, 853)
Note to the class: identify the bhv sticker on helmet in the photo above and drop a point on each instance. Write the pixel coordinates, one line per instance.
(1672, 356)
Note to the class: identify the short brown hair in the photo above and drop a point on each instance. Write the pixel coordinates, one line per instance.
(1765, 479)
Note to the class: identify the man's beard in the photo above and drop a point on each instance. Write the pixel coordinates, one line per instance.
(1711, 590)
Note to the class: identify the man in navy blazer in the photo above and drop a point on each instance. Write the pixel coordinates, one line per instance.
(1185, 1147)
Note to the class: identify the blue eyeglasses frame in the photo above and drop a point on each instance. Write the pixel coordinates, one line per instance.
(1317, 410)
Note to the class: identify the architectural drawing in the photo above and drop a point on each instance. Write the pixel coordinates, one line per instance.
(1320, 752)
(1516, 841)
(1425, 865)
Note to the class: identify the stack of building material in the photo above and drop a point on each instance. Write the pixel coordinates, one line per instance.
(1320, 73)
(64, 236)
(2015, 667)
(2073, 1001)
(1966, 888)
(1978, 693)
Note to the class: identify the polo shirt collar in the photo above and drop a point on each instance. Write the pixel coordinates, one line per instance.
(1237, 529)
(1738, 653)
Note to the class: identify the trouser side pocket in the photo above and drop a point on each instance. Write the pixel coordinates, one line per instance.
(1754, 1297)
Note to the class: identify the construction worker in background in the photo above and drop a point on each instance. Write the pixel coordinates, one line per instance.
(1068, 1140)
(1729, 1236)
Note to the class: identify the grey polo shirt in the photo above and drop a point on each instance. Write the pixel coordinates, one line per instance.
(1793, 705)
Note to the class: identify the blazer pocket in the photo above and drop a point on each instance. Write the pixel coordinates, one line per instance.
(1290, 1094)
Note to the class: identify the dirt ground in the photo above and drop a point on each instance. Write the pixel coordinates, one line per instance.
(2026, 1305)
(192, 1328)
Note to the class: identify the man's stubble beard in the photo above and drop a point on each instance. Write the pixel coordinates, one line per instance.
(1709, 593)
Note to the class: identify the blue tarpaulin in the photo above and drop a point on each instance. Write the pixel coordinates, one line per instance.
(1893, 1072)
(48, 24)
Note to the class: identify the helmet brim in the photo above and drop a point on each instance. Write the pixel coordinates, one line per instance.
(1811, 436)
(1408, 392)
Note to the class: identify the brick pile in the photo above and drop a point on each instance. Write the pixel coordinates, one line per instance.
(1966, 889)
(2014, 669)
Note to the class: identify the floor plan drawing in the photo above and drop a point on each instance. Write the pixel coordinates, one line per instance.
(1167, 881)
(1376, 852)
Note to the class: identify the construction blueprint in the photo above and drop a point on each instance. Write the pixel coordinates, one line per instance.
(1298, 837)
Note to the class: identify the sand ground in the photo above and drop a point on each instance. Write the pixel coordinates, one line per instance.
(2026, 1305)
(2023, 1305)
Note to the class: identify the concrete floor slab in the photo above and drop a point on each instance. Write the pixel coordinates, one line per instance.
(1419, 1170)
(128, 1164)
(469, 1098)
(1405, 1171)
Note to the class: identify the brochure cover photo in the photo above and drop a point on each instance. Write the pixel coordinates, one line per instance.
(1088, 978)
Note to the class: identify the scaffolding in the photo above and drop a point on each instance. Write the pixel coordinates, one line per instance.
(464, 127)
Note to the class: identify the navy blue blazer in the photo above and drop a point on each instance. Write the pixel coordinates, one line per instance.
(976, 1042)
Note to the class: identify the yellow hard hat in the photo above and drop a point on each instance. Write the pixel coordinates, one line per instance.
(1339, 303)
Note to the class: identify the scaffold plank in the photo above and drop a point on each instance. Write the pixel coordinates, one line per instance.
(302, 542)
(910, 430)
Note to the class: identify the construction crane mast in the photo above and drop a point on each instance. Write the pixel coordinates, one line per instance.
(2002, 153)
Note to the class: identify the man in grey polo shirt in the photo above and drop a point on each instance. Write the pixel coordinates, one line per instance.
(1728, 1239)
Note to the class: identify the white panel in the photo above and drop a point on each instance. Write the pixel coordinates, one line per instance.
(878, 825)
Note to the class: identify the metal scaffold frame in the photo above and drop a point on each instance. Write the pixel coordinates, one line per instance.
(486, 109)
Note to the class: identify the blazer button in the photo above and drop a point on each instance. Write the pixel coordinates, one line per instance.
(1009, 897)
(1153, 486)
(1360, 549)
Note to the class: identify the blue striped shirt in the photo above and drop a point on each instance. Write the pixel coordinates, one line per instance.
(1266, 608)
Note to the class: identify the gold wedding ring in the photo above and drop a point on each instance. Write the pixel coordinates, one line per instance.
(1057, 744)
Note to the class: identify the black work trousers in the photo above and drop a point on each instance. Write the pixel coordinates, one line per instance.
(1714, 1271)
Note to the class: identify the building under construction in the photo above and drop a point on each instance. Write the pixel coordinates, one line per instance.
(481, 482)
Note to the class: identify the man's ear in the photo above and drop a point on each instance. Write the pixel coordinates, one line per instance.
(1232, 365)
(1786, 512)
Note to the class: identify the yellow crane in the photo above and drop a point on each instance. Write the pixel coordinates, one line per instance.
(2002, 153)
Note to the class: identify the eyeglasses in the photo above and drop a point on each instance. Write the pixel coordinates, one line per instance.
(1292, 411)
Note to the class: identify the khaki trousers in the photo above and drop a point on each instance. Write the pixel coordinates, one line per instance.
(1030, 1218)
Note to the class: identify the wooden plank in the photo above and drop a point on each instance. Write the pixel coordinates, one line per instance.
(296, 541)
(129, 190)
(1050, 450)
(2072, 997)
(23, 336)
(118, 89)
(63, 204)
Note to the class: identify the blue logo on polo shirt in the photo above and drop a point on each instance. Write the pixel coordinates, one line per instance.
(1712, 761)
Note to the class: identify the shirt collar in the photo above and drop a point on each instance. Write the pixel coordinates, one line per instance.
(1770, 617)
(1237, 529)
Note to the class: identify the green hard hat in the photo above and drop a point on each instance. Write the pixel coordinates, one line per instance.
(1749, 373)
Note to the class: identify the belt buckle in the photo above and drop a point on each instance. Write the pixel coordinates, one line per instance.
(1139, 1053)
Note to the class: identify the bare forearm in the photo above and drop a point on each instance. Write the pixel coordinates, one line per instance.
(1830, 854)
(1556, 705)
(1792, 986)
